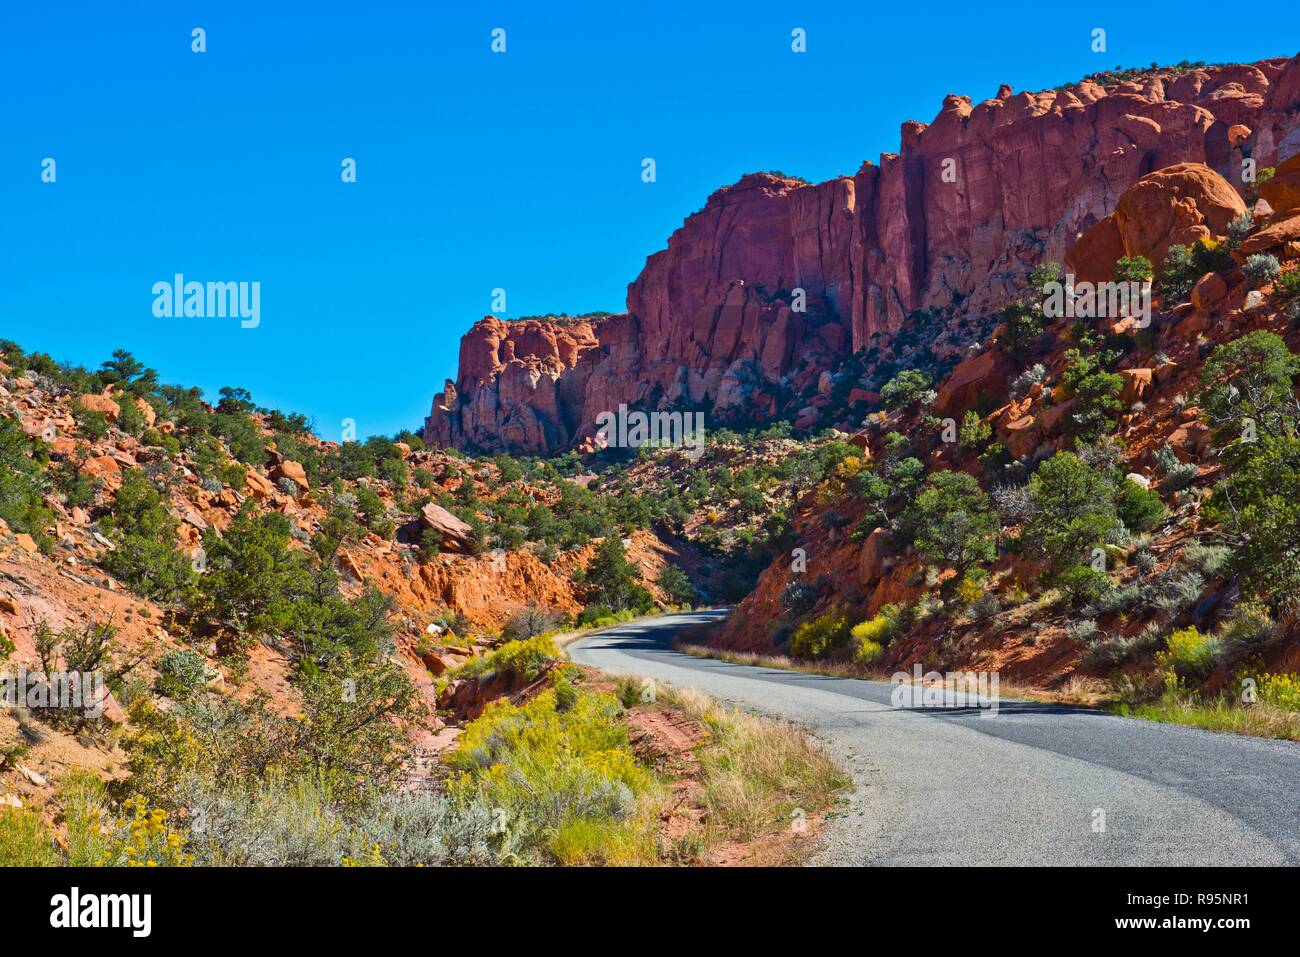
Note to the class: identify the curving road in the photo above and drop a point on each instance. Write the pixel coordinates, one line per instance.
(1023, 786)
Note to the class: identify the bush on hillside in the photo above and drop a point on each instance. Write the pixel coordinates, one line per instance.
(819, 636)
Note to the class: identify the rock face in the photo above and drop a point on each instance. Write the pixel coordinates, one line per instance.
(775, 280)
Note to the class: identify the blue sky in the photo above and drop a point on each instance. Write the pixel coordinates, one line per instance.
(475, 170)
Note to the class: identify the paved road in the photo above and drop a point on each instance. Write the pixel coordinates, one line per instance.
(957, 786)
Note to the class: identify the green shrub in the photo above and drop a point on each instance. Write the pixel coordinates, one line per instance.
(1082, 583)
(1250, 377)
(1249, 630)
(1133, 269)
(798, 596)
(1286, 288)
(676, 586)
(24, 840)
(1261, 269)
(1258, 506)
(596, 615)
(952, 522)
(145, 555)
(974, 432)
(909, 389)
(75, 488)
(1095, 393)
(1023, 324)
(91, 424)
(180, 674)
(253, 581)
(1072, 511)
(351, 738)
(613, 581)
(23, 484)
(629, 692)
(1140, 509)
(1177, 276)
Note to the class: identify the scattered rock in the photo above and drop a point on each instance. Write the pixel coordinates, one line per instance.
(32, 776)
(1209, 290)
(1136, 383)
(100, 403)
(292, 471)
(457, 536)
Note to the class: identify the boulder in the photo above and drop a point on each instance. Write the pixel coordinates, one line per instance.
(1136, 383)
(1282, 190)
(1209, 290)
(1176, 205)
(1093, 256)
(433, 662)
(1280, 232)
(102, 404)
(457, 536)
(286, 469)
(1054, 417)
(1190, 440)
(258, 485)
(872, 560)
(983, 374)
(146, 410)
(104, 466)
(1022, 436)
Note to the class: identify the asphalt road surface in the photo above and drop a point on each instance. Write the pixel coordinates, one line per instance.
(1027, 785)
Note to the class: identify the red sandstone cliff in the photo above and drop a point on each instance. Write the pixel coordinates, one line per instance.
(955, 219)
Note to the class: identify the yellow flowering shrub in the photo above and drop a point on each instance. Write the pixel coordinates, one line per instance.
(24, 839)
(526, 658)
(815, 637)
(142, 838)
(1281, 691)
(1188, 654)
(542, 771)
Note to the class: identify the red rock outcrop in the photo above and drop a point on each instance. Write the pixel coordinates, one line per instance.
(775, 280)
(1176, 205)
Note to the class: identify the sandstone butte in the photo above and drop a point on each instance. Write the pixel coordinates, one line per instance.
(710, 318)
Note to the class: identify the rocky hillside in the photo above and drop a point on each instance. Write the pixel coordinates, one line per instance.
(938, 234)
(230, 541)
(1082, 498)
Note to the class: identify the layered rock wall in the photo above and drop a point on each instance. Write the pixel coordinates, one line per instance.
(954, 220)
